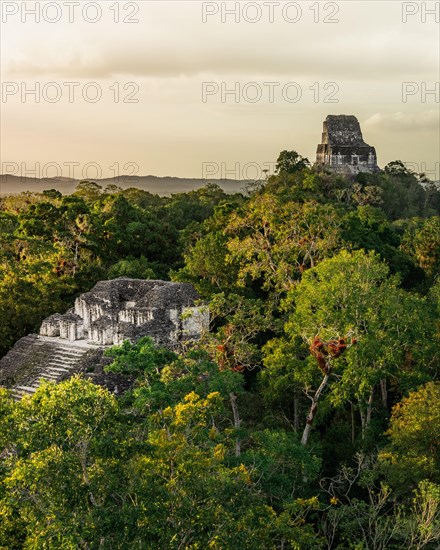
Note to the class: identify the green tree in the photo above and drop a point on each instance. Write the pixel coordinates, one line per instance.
(422, 242)
(90, 191)
(289, 162)
(56, 465)
(275, 240)
(363, 511)
(413, 452)
(349, 298)
(135, 268)
(191, 498)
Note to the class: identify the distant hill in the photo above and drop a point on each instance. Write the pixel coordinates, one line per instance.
(164, 186)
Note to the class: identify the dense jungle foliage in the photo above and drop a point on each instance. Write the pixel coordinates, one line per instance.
(307, 418)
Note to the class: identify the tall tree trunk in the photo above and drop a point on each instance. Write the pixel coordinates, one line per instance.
(324, 352)
(296, 410)
(365, 411)
(237, 421)
(75, 258)
(313, 409)
(363, 417)
(352, 423)
(370, 406)
(384, 392)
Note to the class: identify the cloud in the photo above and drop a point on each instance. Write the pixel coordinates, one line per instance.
(172, 41)
(423, 121)
(170, 53)
(192, 61)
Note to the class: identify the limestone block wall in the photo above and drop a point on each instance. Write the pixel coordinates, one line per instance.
(343, 149)
(71, 329)
(127, 309)
(51, 326)
(195, 321)
(136, 316)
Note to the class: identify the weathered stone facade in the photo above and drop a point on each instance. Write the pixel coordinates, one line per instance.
(343, 149)
(127, 309)
(113, 311)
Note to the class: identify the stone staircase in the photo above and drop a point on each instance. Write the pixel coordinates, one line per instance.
(112, 312)
(39, 358)
(61, 363)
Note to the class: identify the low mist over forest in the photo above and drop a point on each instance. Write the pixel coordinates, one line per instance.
(163, 186)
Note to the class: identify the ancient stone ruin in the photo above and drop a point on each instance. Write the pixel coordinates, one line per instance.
(127, 309)
(343, 149)
(113, 311)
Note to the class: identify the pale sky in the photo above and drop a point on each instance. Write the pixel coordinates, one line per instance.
(358, 54)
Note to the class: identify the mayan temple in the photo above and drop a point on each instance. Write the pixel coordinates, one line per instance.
(112, 312)
(343, 149)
